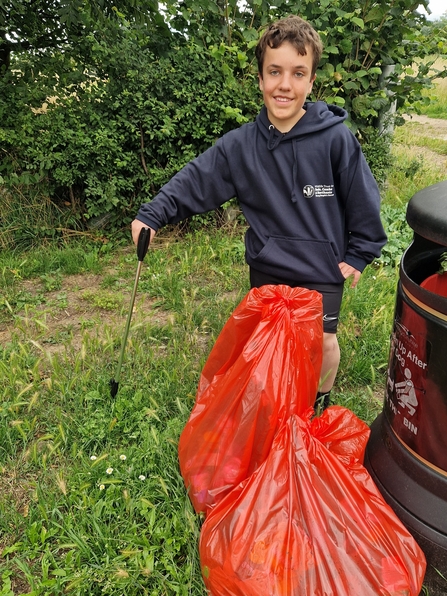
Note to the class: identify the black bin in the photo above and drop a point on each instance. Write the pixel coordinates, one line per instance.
(407, 451)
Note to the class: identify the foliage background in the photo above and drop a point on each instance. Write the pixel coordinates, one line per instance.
(101, 103)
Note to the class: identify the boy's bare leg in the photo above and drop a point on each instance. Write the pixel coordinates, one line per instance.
(331, 360)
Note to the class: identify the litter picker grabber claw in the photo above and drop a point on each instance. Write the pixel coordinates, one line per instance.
(142, 246)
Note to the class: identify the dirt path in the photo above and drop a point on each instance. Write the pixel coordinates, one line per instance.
(63, 316)
(434, 128)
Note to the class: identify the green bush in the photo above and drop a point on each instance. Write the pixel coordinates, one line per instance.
(107, 143)
(97, 126)
(398, 232)
(377, 150)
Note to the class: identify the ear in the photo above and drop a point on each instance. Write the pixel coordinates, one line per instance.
(311, 84)
(260, 81)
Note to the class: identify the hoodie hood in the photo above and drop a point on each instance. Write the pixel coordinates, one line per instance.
(318, 116)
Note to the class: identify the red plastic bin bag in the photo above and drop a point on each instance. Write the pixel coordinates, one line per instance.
(342, 432)
(303, 525)
(264, 366)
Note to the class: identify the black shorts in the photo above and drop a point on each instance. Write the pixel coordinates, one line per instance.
(332, 295)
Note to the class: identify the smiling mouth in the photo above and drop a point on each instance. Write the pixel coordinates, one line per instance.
(283, 99)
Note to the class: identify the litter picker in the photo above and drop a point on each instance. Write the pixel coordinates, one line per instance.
(142, 246)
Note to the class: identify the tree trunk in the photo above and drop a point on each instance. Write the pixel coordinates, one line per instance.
(5, 53)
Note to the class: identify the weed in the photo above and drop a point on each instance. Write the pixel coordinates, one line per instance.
(398, 232)
(51, 282)
(103, 299)
(443, 262)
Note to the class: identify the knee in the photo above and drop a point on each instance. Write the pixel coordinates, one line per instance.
(330, 344)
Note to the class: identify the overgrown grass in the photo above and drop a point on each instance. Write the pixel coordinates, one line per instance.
(91, 498)
(92, 501)
(414, 168)
(30, 217)
(405, 136)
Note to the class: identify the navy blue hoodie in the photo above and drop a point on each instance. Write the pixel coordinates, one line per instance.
(308, 195)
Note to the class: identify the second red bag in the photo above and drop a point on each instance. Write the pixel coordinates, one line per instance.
(310, 522)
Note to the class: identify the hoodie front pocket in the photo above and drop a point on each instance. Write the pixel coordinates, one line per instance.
(295, 258)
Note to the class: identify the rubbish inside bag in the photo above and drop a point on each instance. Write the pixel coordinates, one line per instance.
(264, 366)
(310, 521)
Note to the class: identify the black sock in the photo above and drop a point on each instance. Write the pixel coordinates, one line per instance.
(323, 400)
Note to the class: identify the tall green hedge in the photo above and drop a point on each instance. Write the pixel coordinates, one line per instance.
(107, 142)
(93, 129)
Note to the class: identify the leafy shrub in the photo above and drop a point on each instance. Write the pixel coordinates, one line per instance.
(108, 143)
(399, 234)
(101, 124)
(377, 150)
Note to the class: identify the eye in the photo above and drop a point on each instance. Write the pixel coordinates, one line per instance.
(299, 74)
(274, 73)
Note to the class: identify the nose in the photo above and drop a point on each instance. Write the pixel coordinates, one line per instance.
(285, 82)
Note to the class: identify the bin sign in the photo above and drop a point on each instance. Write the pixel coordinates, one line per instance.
(416, 389)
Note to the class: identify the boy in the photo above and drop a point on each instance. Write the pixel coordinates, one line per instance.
(310, 200)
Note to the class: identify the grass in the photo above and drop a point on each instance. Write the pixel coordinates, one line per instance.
(405, 136)
(92, 501)
(437, 107)
(91, 498)
(416, 166)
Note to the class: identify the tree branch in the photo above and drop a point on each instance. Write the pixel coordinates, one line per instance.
(143, 161)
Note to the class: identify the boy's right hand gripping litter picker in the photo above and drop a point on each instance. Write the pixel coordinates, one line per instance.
(142, 246)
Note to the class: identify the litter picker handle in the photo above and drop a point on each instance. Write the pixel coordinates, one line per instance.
(142, 246)
(143, 243)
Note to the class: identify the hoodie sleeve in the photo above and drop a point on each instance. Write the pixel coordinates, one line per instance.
(366, 235)
(202, 185)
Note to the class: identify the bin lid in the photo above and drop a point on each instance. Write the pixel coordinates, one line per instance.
(427, 213)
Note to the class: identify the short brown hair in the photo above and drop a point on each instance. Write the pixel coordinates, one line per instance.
(294, 30)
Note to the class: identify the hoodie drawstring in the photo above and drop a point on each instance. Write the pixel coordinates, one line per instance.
(294, 170)
(274, 140)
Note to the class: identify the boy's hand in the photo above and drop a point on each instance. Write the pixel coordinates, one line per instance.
(348, 271)
(137, 226)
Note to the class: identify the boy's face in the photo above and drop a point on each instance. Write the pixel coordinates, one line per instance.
(285, 84)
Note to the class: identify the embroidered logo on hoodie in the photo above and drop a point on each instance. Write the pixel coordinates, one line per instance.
(308, 191)
(318, 191)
